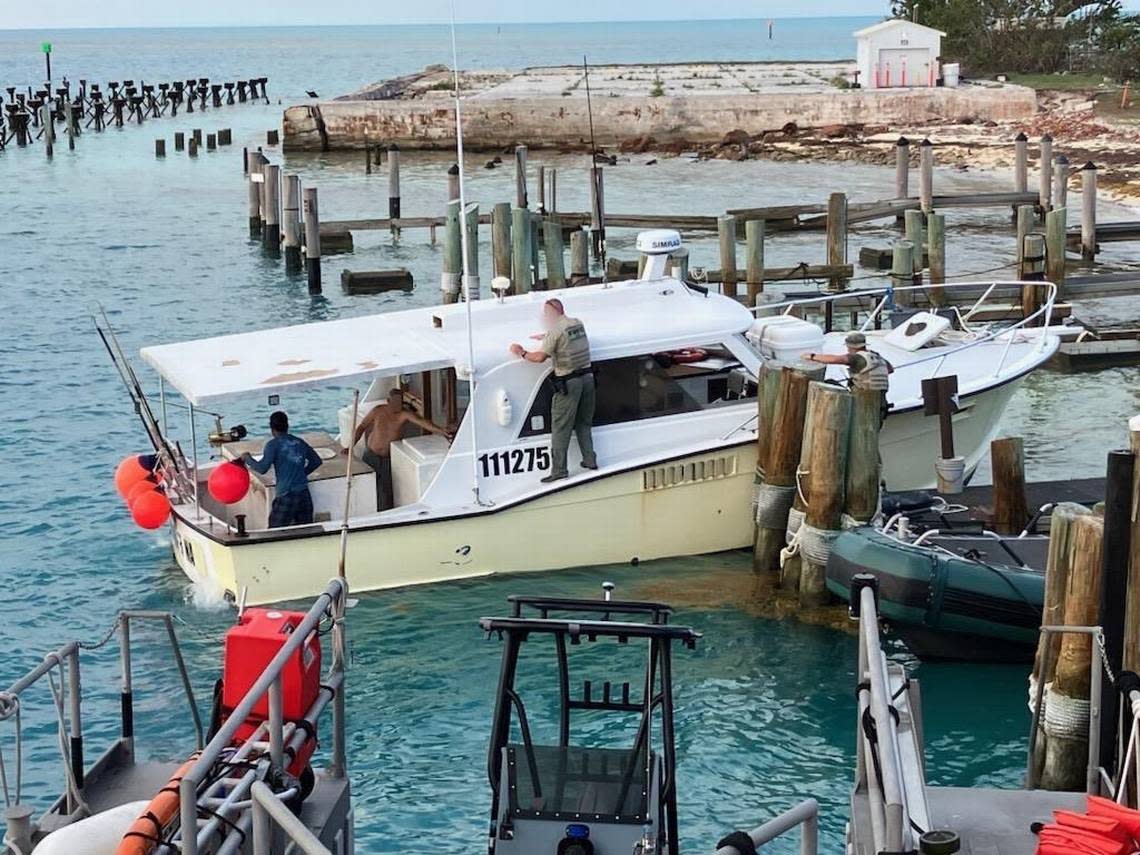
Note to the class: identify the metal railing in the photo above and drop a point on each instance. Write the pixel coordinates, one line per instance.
(1130, 761)
(270, 811)
(805, 814)
(281, 735)
(68, 655)
(1093, 770)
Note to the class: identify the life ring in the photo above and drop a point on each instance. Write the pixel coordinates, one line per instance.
(687, 354)
(145, 832)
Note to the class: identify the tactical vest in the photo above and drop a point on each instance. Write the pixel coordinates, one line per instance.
(875, 374)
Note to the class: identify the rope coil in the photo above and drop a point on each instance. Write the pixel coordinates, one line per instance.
(773, 506)
(815, 543)
(1065, 717)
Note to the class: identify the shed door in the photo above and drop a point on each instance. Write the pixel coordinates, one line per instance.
(904, 67)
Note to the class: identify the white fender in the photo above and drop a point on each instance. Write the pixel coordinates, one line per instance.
(95, 835)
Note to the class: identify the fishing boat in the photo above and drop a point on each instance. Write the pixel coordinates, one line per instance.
(247, 784)
(950, 595)
(675, 428)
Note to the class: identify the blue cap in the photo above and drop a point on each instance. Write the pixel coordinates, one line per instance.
(577, 831)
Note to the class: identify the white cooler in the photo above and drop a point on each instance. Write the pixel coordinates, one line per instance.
(415, 461)
(784, 337)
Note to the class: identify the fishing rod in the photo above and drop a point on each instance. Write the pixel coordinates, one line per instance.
(596, 196)
(470, 284)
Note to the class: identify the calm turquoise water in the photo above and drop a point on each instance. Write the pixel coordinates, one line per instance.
(765, 707)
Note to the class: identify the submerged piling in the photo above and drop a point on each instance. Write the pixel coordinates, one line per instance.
(291, 221)
(394, 186)
(312, 239)
(271, 232)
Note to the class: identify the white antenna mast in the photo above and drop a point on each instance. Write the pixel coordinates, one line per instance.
(467, 279)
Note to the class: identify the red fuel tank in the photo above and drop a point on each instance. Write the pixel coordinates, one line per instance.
(250, 646)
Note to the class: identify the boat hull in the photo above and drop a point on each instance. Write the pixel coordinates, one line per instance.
(944, 607)
(690, 505)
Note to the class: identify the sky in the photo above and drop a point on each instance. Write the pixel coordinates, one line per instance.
(18, 14)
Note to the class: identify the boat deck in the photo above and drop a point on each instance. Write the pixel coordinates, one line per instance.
(979, 499)
(988, 821)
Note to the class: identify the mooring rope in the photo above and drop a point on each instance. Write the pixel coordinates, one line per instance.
(1065, 716)
(773, 503)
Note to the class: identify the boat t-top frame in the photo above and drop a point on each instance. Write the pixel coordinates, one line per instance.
(570, 621)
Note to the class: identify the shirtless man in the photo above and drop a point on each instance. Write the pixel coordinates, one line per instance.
(381, 427)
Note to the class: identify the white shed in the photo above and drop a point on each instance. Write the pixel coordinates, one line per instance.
(898, 53)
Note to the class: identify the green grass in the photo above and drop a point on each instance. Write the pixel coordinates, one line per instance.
(1081, 80)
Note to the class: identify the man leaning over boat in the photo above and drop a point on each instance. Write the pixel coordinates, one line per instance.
(572, 405)
(866, 369)
(293, 461)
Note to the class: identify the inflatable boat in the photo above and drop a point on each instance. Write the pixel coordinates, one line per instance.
(950, 595)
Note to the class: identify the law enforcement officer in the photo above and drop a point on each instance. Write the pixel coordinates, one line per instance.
(865, 368)
(572, 407)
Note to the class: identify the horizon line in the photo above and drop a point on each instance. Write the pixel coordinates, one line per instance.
(433, 23)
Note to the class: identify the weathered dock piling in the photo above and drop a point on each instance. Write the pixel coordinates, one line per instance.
(500, 238)
(257, 162)
(926, 176)
(1067, 710)
(1056, 229)
(579, 257)
(394, 186)
(160, 148)
(1021, 164)
(1007, 457)
(753, 259)
(521, 275)
(312, 239)
(522, 199)
(1088, 211)
(1060, 181)
(936, 252)
(271, 231)
(470, 287)
(779, 454)
(864, 467)
(726, 232)
(823, 464)
(555, 257)
(836, 240)
(291, 221)
(902, 168)
(451, 273)
(1045, 176)
(179, 140)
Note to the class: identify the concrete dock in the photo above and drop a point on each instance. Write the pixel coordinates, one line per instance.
(662, 106)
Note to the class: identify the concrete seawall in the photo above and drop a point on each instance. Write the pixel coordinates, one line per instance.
(544, 119)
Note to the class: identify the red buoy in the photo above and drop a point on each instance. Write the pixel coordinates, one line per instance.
(128, 473)
(145, 485)
(151, 509)
(229, 482)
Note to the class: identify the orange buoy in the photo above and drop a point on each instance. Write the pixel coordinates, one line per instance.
(229, 482)
(140, 487)
(130, 471)
(146, 831)
(151, 509)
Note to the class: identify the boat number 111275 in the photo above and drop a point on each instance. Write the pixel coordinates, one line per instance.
(515, 461)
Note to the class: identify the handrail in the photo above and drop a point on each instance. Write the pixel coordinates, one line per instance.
(268, 810)
(806, 813)
(1130, 760)
(269, 682)
(1092, 769)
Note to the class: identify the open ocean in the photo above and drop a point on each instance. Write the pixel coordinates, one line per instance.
(766, 708)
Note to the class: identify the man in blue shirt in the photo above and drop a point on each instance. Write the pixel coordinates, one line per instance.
(293, 460)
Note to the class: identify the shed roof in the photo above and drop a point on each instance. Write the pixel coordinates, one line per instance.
(891, 23)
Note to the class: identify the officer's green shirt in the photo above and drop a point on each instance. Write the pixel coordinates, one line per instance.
(567, 346)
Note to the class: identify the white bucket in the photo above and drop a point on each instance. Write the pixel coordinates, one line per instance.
(950, 73)
(951, 474)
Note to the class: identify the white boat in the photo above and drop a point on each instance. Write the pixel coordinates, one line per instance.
(675, 430)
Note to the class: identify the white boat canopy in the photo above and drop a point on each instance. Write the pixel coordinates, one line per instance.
(626, 318)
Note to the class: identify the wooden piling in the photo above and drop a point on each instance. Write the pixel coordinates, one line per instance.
(753, 259)
(535, 244)
(836, 238)
(211, 142)
(783, 457)
(500, 238)
(160, 148)
(1060, 181)
(726, 231)
(552, 193)
(1025, 218)
(902, 168)
(48, 124)
(926, 176)
(521, 280)
(291, 221)
(823, 461)
(394, 185)
(541, 189)
(936, 247)
(367, 157)
(579, 257)
(271, 232)
(1055, 237)
(192, 147)
(521, 200)
(312, 239)
(902, 271)
(471, 226)
(555, 262)
(1131, 656)
(272, 137)
(453, 183)
(257, 162)
(767, 390)
(863, 463)
(1021, 164)
(1032, 270)
(1007, 462)
(451, 277)
(196, 135)
(72, 130)
(1061, 533)
(1045, 175)
(1066, 749)
(914, 228)
(180, 141)
(1088, 212)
